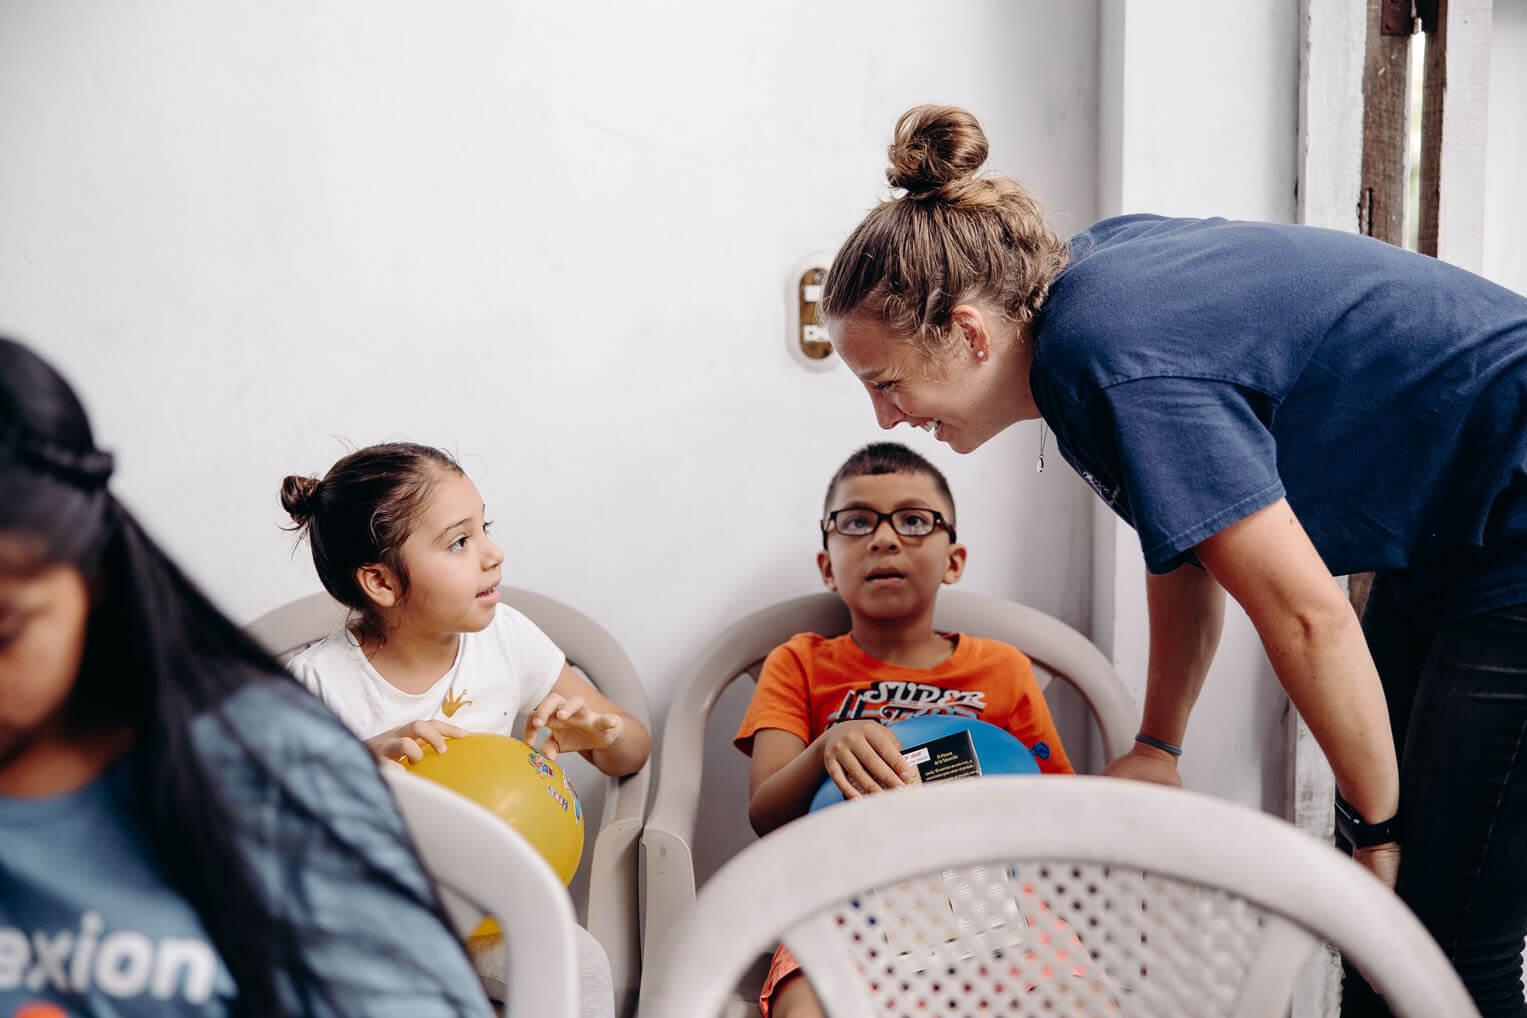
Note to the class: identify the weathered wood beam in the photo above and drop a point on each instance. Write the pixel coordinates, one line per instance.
(1386, 130)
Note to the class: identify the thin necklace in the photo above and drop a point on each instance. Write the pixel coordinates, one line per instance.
(1039, 465)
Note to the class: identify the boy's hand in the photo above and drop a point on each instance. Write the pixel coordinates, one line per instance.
(571, 725)
(404, 740)
(863, 757)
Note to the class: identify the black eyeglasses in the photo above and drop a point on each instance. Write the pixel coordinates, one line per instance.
(857, 521)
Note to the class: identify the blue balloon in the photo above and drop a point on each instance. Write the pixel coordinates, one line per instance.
(997, 750)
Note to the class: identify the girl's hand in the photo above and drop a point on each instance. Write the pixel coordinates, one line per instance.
(404, 740)
(571, 725)
(863, 757)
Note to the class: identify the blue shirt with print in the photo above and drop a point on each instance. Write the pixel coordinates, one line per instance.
(1195, 371)
(89, 924)
(87, 918)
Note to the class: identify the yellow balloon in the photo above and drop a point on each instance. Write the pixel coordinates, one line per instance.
(531, 793)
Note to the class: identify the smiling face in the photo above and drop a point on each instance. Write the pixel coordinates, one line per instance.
(884, 576)
(453, 565)
(975, 388)
(42, 638)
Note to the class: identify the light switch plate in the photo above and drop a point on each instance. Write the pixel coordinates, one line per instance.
(804, 335)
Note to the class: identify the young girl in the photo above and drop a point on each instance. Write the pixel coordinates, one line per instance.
(181, 830)
(398, 535)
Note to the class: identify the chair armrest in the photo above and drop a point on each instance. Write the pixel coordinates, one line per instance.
(474, 857)
(1057, 647)
(667, 861)
(627, 799)
(668, 870)
(669, 891)
(612, 906)
(614, 889)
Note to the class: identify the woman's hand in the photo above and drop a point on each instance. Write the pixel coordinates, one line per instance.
(1145, 763)
(863, 757)
(1383, 861)
(571, 725)
(404, 740)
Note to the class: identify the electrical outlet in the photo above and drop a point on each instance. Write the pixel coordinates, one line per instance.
(805, 336)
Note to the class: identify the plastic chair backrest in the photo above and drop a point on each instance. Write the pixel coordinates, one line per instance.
(668, 839)
(1054, 898)
(607, 876)
(480, 865)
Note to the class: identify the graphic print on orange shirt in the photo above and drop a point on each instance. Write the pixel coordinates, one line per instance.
(890, 700)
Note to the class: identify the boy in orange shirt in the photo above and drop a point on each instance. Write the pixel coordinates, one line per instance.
(822, 705)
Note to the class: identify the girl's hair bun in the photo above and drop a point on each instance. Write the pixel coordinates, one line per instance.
(297, 495)
(934, 146)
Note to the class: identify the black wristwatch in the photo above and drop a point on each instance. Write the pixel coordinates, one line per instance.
(1358, 832)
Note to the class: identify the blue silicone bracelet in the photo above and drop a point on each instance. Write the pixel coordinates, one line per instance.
(1161, 744)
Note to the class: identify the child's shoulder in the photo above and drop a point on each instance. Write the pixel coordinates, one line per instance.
(338, 649)
(510, 627)
(812, 645)
(986, 645)
(982, 651)
(513, 641)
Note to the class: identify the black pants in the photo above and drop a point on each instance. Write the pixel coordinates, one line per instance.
(1457, 698)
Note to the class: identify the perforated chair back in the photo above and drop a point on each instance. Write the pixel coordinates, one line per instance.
(1056, 649)
(607, 875)
(482, 866)
(1055, 898)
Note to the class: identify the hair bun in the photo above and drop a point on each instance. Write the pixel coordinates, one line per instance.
(934, 146)
(297, 495)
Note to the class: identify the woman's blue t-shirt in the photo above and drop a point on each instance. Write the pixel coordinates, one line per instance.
(1195, 371)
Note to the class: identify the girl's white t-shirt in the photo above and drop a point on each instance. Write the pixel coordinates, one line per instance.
(499, 672)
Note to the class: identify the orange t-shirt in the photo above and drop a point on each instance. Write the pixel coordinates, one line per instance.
(810, 683)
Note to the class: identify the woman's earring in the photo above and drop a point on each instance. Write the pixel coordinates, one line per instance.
(980, 355)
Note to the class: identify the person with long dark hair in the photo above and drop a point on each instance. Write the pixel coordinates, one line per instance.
(183, 829)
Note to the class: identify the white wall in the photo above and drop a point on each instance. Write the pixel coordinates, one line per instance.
(1505, 218)
(550, 239)
(1198, 118)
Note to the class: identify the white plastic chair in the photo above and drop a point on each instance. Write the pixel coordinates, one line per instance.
(482, 866)
(611, 851)
(1072, 896)
(668, 839)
